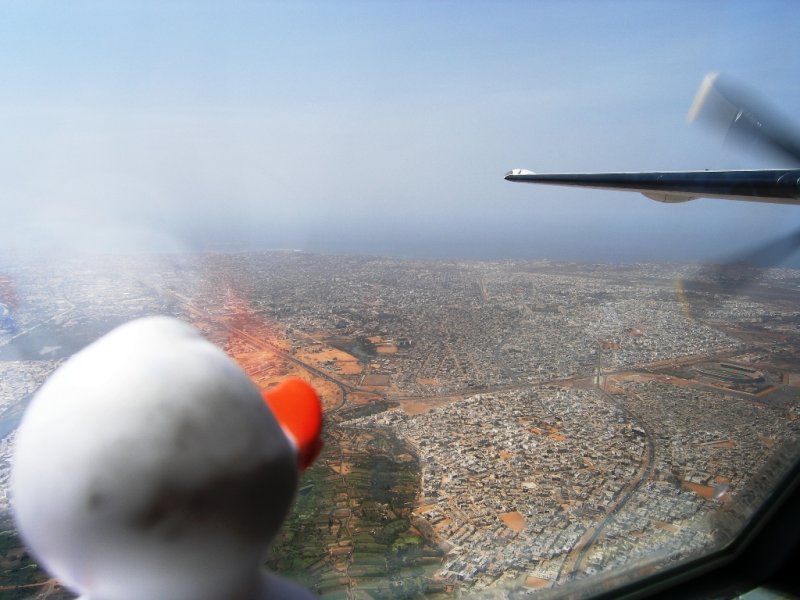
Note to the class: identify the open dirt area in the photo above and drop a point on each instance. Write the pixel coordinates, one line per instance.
(362, 398)
(255, 346)
(419, 406)
(704, 491)
(513, 520)
(537, 583)
(329, 392)
(416, 408)
(376, 380)
(666, 526)
(343, 468)
(331, 359)
(643, 378)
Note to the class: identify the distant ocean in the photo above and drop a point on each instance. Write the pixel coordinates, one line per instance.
(624, 245)
(594, 237)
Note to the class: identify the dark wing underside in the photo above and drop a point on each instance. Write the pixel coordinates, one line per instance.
(777, 186)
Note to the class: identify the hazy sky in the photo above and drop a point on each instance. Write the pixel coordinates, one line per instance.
(382, 127)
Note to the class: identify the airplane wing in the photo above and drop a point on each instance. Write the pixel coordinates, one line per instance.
(777, 186)
(724, 104)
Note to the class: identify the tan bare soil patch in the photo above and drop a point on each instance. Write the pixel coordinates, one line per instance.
(416, 407)
(513, 520)
(767, 441)
(350, 368)
(386, 349)
(537, 583)
(361, 399)
(666, 526)
(793, 379)
(345, 363)
(343, 468)
(704, 491)
(645, 377)
(726, 444)
(375, 380)
(249, 343)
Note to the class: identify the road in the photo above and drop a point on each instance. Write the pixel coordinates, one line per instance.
(572, 565)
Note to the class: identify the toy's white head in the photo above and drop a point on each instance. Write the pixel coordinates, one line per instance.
(149, 466)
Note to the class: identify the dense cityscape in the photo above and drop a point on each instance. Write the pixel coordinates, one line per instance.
(507, 425)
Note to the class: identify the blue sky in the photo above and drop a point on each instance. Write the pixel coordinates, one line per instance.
(380, 127)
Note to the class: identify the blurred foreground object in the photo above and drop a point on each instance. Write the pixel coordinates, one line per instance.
(149, 466)
(732, 108)
(296, 406)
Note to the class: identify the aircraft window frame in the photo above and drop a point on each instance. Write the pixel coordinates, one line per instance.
(542, 309)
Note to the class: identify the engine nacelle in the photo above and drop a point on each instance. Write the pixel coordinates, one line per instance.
(668, 198)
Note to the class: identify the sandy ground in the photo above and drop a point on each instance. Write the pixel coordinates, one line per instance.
(416, 407)
(704, 491)
(642, 377)
(344, 363)
(537, 582)
(376, 380)
(513, 520)
(362, 398)
(343, 468)
(249, 342)
(672, 528)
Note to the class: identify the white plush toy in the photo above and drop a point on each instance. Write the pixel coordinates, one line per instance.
(148, 467)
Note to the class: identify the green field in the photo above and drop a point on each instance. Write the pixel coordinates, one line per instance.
(352, 531)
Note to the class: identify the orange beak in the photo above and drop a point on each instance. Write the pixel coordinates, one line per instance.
(299, 411)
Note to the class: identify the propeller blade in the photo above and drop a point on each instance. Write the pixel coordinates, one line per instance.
(734, 277)
(772, 253)
(725, 104)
